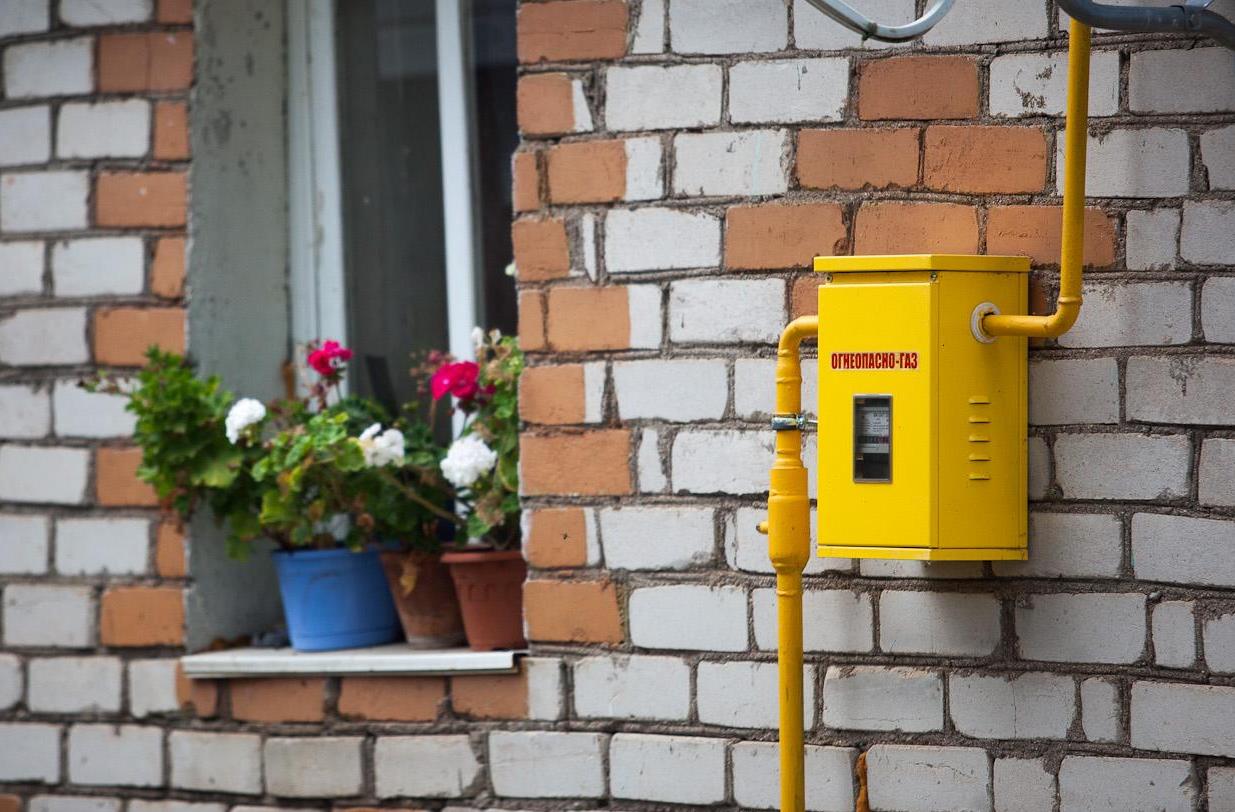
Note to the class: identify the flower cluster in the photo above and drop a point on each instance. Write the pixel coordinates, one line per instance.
(329, 360)
(382, 448)
(244, 413)
(467, 461)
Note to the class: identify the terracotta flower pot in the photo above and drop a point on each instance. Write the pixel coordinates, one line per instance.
(490, 587)
(425, 598)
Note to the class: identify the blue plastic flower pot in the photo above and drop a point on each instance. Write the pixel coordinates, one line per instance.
(335, 599)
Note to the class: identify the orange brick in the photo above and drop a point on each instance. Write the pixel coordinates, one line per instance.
(147, 61)
(115, 478)
(782, 235)
(490, 696)
(571, 30)
(542, 250)
(985, 159)
(553, 395)
(545, 104)
(858, 159)
(525, 174)
(10, 803)
(154, 199)
(122, 334)
(167, 269)
(169, 559)
(572, 612)
(588, 319)
(918, 87)
(171, 131)
(587, 172)
(278, 700)
(1036, 232)
(175, 11)
(141, 616)
(197, 696)
(916, 228)
(592, 463)
(392, 699)
(557, 537)
(531, 320)
(804, 297)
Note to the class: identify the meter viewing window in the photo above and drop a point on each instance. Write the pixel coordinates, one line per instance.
(872, 438)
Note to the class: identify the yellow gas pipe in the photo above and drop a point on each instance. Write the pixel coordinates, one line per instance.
(788, 524)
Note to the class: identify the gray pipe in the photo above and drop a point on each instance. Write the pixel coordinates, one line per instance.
(1167, 20)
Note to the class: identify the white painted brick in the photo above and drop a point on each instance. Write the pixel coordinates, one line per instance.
(594, 392)
(116, 755)
(544, 687)
(929, 779)
(70, 803)
(1128, 784)
(648, 97)
(669, 769)
(102, 546)
(25, 135)
(580, 108)
(29, 752)
(152, 687)
(632, 687)
(544, 764)
(813, 31)
(1218, 155)
(789, 91)
(973, 21)
(1081, 390)
(645, 177)
(705, 618)
(44, 336)
(1207, 235)
(1082, 628)
(726, 311)
(21, 267)
(645, 318)
(26, 410)
(1024, 706)
(1219, 634)
(46, 615)
(12, 683)
(43, 201)
(1181, 389)
(744, 694)
(321, 766)
(650, 30)
(425, 766)
(1221, 795)
(1036, 84)
(1039, 468)
(98, 266)
(74, 684)
(931, 570)
(651, 464)
(1069, 545)
(1100, 710)
(111, 129)
(754, 391)
(216, 762)
(657, 538)
(1218, 310)
(1165, 81)
(62, 67)
(1133, 314)
(700, 389)
(25, 17)
(938, 623)
(1023, 785)
(91, 12)
(56, 475)
(1217, 462)
(660, 239)
(746, 549)
(871, 697)
(731, 164)
(23, 543)
(836, 620)
(1179, 718)
(1174, 632)
(139, 805)
(728, 26)
(1153, 239)
(1122, 466)
(1133, 163)
(829, 776)
(722, 461)
(1183, 550)
(90, 414)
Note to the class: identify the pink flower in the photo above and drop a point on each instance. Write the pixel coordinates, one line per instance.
(458, 379)
(329, 359)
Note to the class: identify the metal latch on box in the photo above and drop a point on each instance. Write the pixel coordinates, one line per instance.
(792, 422)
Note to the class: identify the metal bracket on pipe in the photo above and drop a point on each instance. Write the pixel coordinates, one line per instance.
(1190, 18)
(855, 20)
(792, 422)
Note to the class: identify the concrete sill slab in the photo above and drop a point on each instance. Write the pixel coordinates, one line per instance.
(385, 660)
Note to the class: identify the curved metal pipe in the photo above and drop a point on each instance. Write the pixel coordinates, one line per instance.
(1180, 19)
(855, 20)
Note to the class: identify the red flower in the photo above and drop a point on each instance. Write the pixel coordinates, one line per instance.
(458, 379)
(329, 359)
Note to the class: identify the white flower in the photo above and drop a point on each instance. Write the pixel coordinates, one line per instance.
(244, 413)
(478, 336)
(381, 447)
(467, 460)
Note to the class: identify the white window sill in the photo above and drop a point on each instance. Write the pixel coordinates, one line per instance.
(385, 660)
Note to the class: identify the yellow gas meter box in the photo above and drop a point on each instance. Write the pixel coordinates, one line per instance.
(922, 417)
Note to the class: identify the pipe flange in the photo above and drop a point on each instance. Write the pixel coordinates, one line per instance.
(975, 321)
